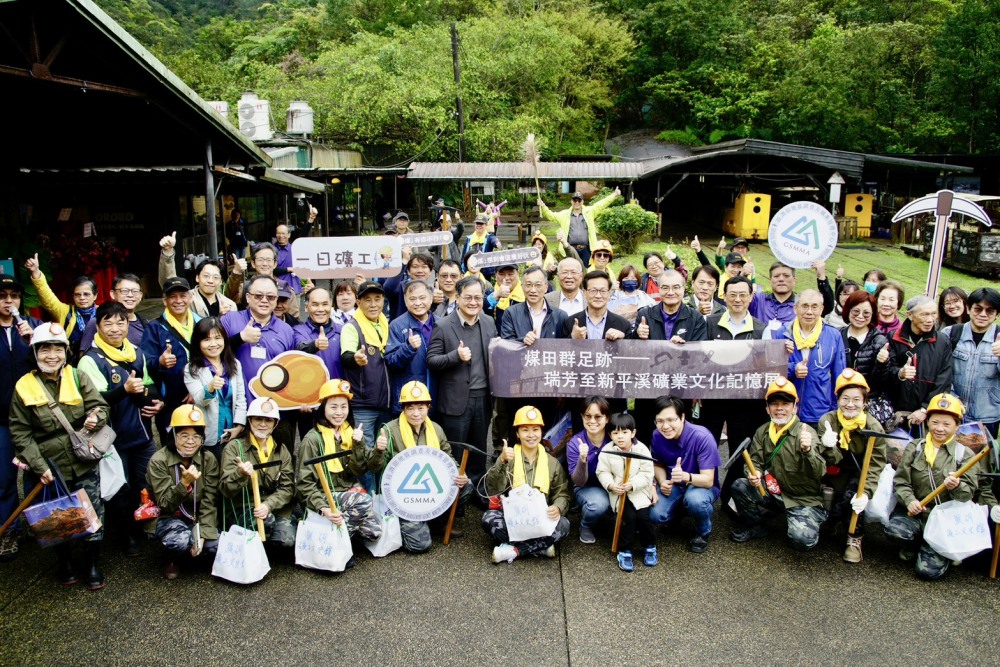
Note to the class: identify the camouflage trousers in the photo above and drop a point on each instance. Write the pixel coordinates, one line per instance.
(90, 482)
(277, 529)
(803, 522)
(359, 514)
(494, 524)
(909, 531)
(174, 533)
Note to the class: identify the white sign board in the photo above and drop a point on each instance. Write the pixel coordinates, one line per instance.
(486, 260)
(347, 256)
(801, 233)
(419, 483)
(426, 239)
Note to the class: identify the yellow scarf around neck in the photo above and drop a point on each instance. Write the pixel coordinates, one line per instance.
(803, 342)
(373, 336)
(263, 453)
(410, 439)
(848, 425)
(30, 389)
(475, 238)
(931, 448)
(125, 355)
(516, 296)
(541, 480)
(777, 433)
(185, 328)
(346, 434)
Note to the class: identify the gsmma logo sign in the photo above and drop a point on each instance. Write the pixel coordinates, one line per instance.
(418, 484)
(802, 233)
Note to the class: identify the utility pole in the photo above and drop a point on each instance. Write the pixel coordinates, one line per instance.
(458, 91)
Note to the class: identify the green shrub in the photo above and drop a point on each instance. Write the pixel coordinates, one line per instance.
(682, 137)
(626, 227)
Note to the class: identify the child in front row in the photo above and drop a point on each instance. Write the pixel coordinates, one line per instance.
(637, 490)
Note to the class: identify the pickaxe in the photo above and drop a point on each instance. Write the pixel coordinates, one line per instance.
(31, 496)
(255, 485)
(628, 456)
(466, 448)
(317, 463)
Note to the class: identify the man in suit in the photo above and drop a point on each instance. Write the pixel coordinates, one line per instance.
(596, 322)
(568, 298)
(459, 355)
(704, 284)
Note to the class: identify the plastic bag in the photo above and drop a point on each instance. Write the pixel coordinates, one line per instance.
(112, 474)
(884, 501)
(320, 545)
(525, 511)
(68, 516)
(957, 530)
(240, 558)
(392, 536)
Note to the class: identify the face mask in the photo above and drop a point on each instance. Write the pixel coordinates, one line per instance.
(630, 285)
(871, 287)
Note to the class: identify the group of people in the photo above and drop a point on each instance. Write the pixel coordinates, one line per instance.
(410, 366)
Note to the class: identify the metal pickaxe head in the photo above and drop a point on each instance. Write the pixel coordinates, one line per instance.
(880, 434)
(328, 457)
(269, 464)
(465, 445)
(628, 455)
(942, 204)
(738, 451)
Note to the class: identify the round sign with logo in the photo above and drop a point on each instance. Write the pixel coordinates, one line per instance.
(418, 484)
(801, 233)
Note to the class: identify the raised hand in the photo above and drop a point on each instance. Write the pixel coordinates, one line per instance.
(531, 337)
(801, 369)
(883, 354)
(168, 359)
(696, 244)
(507, 453)
(244, 467)
(677, 473)
(168, 243)
(829, 438)
(805, 439)
(189, 475)
(31, 264)
(579, 332)
(584, 450)
(908, 371)
(722, 246)
(133, 385)
(359, 433)
(840, 272)
(382, 442)
(415, 340)
(360, 358)
(670, 254)
(218, 382)
(239, 265)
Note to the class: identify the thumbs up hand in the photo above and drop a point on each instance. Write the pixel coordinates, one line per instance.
(168, 243)
(802, 369)
(381, 442)
(503, 291)
(250, 333)
(438, 294)
(696, 244)
(642, 330)
(908, 371)
(722, 246)
(677, 474)
(360, 358)
(883, 354)
(840, 272)
(31, 264)
(239, 265)
(189, 475)
(829, 438)
(531, 337)
(584, 450)
(168, 359)
(322, 342)
(705, 307)
(218, 382)
(747, 271)
(359, 433)
(805, 439)
(415, 340)
(507, 453)
(133, 385)
(579, 332)
(464, 353)
(670, 254)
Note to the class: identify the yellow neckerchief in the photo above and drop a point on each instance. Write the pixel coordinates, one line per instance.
(726, 323)
(186, 328)
(475, 238)
(125, 355)
(931, 448)
(263, 453)
(805, 342)
(516, 296)
(848, 425)
(777, 433)
(410, 438)
(372, 330)
(30, 389)
(541, 480)
(330, 443)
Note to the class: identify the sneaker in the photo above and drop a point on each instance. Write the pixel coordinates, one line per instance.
(8, 547)
(550, 552)
(505, 552)
(587, 534)
(853, 552)
(697, 545)
(907, 556)
(625, 561)
(650, 559)
(171, 571)
(747, 533)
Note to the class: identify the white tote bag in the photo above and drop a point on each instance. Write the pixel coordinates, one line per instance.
(884, 501)
(957, 530)
(112, 473)
(525, 511)
(392, 536)
(240, 558)
(320, 545)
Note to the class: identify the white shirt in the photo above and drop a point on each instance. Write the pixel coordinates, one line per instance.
(571, 306)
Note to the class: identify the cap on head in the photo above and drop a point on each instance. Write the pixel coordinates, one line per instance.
(782, 386)
(187, 415)
(539, 237)
(370, 286)
(577, 195)
(741, 241)
(414, 392)
(948, 404)
(528, 416)
(264, 407)
(332, 388)
(285, 292)
(735, 258)
(10, 282)
(402, 215)
(851, 378)
(481, 219)
(176, 284)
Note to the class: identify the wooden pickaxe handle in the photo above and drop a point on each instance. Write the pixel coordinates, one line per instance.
(961, 471)
(454, 505)
(621, 507)
(753, 471)
(326, 487)
(255, 485)
(861, 483)
(23, 506)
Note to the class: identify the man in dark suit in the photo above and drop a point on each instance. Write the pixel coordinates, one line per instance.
(596, 322)
(459, 355)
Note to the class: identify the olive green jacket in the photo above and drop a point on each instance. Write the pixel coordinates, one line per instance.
(798, 473)
(307, 483)
(915, 478)
(500, 476)
(396, 438)
(857, 445)
(277, 483)
(163, 475)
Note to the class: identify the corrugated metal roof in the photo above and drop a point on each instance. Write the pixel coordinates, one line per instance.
(521, 171)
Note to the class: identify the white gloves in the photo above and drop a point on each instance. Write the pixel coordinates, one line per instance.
(995, 514)
(829, 438)
(859, 503)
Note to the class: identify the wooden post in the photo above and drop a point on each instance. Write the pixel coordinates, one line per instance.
(454, 505)
(255, 485)
(753, 471)
(861, 482)
(621, 508)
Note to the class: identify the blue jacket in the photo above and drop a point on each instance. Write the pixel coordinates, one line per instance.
(975, 373)
(406, 363)
(516, 322)
(15, 361)
(826, 361)
(169, 381)
(305, 340)
(131, 428)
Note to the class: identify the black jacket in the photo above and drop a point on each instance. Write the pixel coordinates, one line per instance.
(864, 360)
(715, 332)
(516, 322)
(690, 324)
(932, 354)
(613, 321)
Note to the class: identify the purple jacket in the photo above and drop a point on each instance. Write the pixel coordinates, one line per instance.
(573, 455)
(696, 448)
(275, 338)
(284, 260)
(305, 340)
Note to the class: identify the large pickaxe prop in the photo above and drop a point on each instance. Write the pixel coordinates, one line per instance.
(738, 452)
(255, 485)
(869, 448)
(961, 471)
(628, 456)
(742, 451)
(466, 448)
(31, 496)
(317, 463)
(942, 204)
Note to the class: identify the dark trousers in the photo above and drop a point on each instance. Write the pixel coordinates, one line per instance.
(135, 460)
(742, 418)
(584, 256)
(635, 524)
(470, 427)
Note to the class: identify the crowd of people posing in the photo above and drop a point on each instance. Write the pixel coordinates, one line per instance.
(409, 363)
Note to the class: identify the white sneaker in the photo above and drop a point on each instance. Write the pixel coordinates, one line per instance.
(504, 552)
(587, 534)
(550, 552)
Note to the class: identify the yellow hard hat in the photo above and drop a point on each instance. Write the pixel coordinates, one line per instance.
(851, 378)
(781, 386)
(539, 236)
(187, 415)
(528, 416)
(605, 244)
(333, 388)
(414, 392)
(948, 404)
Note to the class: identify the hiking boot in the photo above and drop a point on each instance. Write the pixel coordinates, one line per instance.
(65, 572)
(853, 552)
(587, 534)
(747, 533)
(505, 552)
(650, 559)
(550, 552)
(456, 531)
(907, 555)
(8, 547)
(93, 578)
(697, 545)
(625, 561)
(171, 571)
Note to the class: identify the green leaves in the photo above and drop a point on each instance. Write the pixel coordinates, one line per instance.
(626, 227)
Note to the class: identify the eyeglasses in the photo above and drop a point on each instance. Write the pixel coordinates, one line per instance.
(598, 292)
(852, 401)
(668, 420)
(188, 438)
(594, 418)
(129, 292)
(271, 298)
(533, 285)
(471, 299)
(977, 309)
(263, 260)
(601, 255)
(737, 296)
(860, 313)
(672, 288)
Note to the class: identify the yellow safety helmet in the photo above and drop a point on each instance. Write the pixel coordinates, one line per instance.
(335, 387)
(605, 244)
(948, 404)
(414, 392)
(851, 378)
(187, 415)
(529, 415)
(539, 237)
(781, 386)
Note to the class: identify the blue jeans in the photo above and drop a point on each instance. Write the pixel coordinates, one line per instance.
(594, 504)
(697, 501)
(8, 479)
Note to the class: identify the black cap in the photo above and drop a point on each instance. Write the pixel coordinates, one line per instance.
(503, 267)
(577, 195)
(10, 282)
(481, 219)
(370, 286)
(739, 240)
(285, 292)
(174, 284)
(735, 258)
(401, 214)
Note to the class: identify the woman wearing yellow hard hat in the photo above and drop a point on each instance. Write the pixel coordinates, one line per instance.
(184, 480)
(336, 431)
(844, 448)
(547, 261)
(527, 463)
(926, 463)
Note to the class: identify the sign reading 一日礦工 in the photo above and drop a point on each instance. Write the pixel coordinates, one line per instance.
(347, 256)
(802, 233)
(636, 368)
(487, 260)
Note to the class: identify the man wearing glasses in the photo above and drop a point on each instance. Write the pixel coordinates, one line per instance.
(264, 263)
(976, 357)
(596, 322)
(445, 300)
(578, 223)
(127, 291)
(569, 297)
